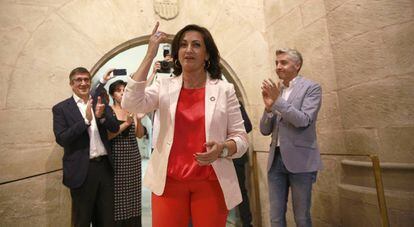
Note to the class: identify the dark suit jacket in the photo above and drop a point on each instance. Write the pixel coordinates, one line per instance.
(71, 133)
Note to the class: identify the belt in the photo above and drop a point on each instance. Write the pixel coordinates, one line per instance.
(99, 158)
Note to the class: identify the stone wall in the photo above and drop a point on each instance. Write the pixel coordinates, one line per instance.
(373, 50)
(359, 51)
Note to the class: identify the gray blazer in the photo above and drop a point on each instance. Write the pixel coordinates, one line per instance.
(295, 125)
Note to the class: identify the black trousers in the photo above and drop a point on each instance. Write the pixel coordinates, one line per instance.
(244, 206)
(93, 202)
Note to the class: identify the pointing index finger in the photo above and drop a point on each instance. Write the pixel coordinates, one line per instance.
(155, 28)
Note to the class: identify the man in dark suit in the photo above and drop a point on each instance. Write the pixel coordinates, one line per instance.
(291, 110)
(80, 125)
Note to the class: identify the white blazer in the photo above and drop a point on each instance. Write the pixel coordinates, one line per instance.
(223, 122)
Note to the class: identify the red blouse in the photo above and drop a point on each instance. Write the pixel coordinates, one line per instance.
(189, 138)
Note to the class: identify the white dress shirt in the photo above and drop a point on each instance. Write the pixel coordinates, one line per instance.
(96, 147)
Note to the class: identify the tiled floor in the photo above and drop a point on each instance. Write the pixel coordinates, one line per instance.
(146, 204)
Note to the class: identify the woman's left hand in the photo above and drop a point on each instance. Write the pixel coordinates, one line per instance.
(213, 151)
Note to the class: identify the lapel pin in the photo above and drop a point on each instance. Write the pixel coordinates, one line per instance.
(212, 99)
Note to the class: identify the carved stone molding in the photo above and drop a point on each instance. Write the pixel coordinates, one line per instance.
(166, 9)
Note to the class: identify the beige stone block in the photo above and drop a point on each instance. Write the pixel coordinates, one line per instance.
(362, 141)
(325, 210)
(367, 215)
(250, 12)
(380, 103)
(90, 19)
(312, 37)
(333, 4)
(253, 91)
(17, 22)
(135, 19)
(6, 72)
(330, 176)
(331, 142)
(396, 144)
(398, 180)
(39, 201)
(57, 45)
(28, 17)
(360, 59)
(316, 221)
(319, 67)
(232, 33)
(398, 42)
(329, 108)
(400, 218)
(30, 126)
(318, 62)
(360, 16)
(312, 11)
(252, 68)
(12, 42)
(364, 200)
(328, 125)
(204, 13)
(20, 160)
(281, 31)
(274, 9)
(38, 89)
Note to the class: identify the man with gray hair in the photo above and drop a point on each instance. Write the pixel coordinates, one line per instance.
(291, 110)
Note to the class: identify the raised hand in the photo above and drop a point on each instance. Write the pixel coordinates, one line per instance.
(99, 108)
(108, 75)
(270, 92)
(156, 38)
(88, 112)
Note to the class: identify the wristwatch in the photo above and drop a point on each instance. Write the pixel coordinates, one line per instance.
(225, 152)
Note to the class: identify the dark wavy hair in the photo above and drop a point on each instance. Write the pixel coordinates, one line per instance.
(114, 85)
(214, 67)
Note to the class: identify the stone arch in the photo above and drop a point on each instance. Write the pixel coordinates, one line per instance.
(228, 72)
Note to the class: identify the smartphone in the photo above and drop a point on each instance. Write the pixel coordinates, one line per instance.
(119, 72)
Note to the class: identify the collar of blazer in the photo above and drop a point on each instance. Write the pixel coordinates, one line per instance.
(74, 111)
(211, 97)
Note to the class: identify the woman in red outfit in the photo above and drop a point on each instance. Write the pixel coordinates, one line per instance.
(190, 172)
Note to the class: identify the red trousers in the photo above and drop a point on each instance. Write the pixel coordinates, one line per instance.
(201, 200)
